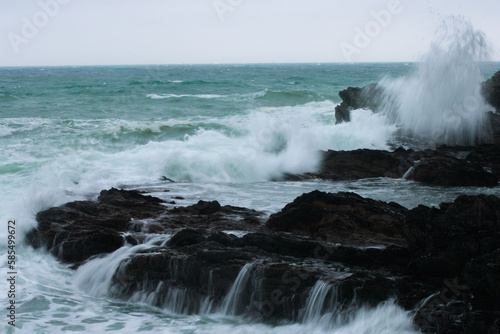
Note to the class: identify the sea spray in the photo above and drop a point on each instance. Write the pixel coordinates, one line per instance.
(440, 102)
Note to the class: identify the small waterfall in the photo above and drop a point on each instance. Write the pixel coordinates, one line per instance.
(207, 306)
(232, 300)
(94, 277)
(322, 303)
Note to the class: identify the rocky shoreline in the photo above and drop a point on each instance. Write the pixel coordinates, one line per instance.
(441, 264)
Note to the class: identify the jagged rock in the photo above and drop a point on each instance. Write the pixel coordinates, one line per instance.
(78, 230)
(455, 314)
(349, 97)
(494, 120)
(477, 166)
(460, 239)
(361, 164)
(206, 208)
(487, 157)
(443, 240)
(345, 218)
(491, 90)
(450, 171)
(370, 288)
(483, 274)
(368, 96)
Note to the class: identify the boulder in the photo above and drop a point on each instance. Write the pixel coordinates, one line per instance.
(363, 163)
(483, 274)
(344, 218)
(78, 230)
(369, 96)
(450, 171)
(491, 91)
(443, 240)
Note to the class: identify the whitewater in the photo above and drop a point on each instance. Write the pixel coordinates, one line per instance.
(221, 132)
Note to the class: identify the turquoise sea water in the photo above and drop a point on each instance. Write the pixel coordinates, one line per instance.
(222, 132)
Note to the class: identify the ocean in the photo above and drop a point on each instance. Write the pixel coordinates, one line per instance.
(221, 132)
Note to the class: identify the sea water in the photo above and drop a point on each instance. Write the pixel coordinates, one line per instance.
(221, 132)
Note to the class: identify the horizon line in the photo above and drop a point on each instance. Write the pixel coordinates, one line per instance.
(229, 63)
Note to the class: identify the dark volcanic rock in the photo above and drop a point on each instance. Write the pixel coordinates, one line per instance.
(205, 264)
(460, 239)
(346, 218)
(363, 163)
(78, 230)
(356, 98)
(347, 249)
(349, 97)
(442, 241)
(477, 166)
(451, 311)
(494, 120)
(450, 171)
(483, 274)
(491, 91)
(487, 157)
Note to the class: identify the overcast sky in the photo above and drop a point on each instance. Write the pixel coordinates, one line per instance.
(102, 32)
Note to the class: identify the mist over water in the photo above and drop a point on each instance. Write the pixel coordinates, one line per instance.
(441, 102)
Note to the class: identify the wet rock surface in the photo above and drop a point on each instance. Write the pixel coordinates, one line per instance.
(78, 230)
(361, 164)
(440, 263)
(345, 218)
(353, 98)
(450, 171)
(491, 90)
(477, 166)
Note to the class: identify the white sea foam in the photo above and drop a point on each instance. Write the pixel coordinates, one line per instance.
(73, 162)
(171, 96)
